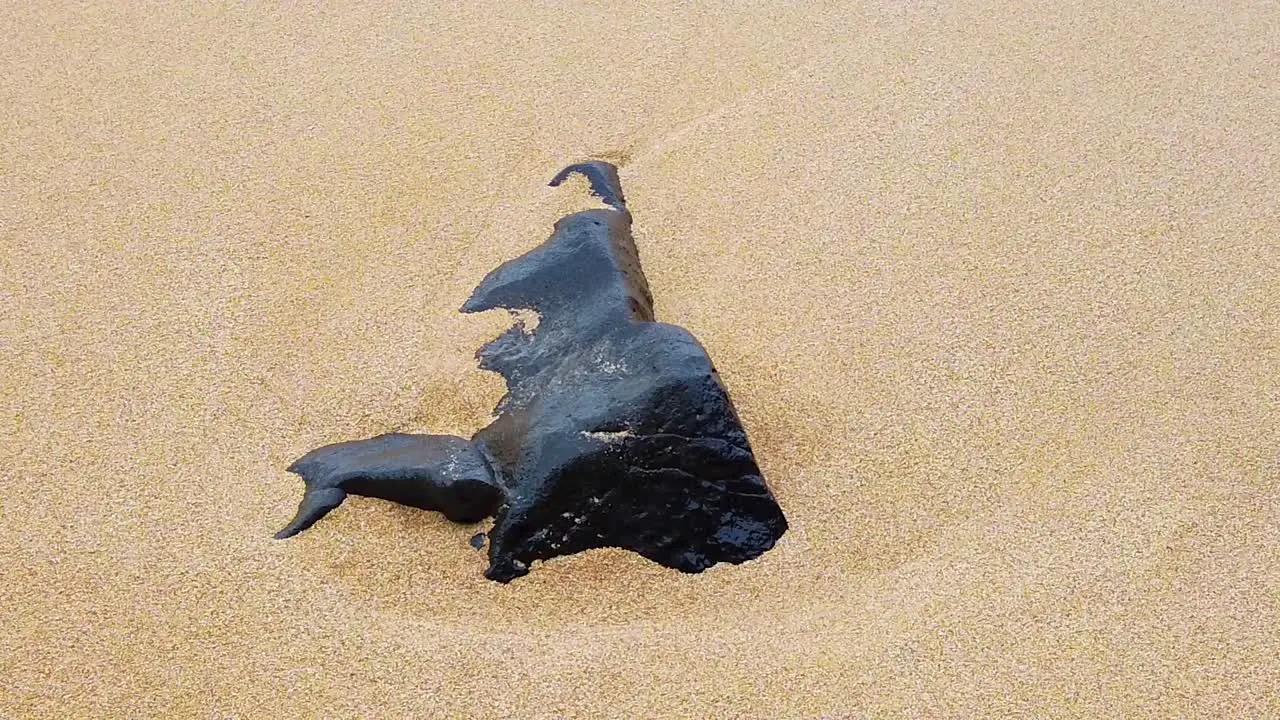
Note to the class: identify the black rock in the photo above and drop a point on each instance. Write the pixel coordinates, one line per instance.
(431, 472)
(615, 430)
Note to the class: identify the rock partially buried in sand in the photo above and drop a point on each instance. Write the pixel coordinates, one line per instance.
(431, 472)
(615, 430)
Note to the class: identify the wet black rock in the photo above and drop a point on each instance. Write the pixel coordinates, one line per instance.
(615, 430)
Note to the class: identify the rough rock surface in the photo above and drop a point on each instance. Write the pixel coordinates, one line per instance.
(615, 431)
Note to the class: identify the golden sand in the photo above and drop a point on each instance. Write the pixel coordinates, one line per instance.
(993, 287)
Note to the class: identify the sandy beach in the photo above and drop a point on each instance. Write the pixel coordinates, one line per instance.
(995, 288)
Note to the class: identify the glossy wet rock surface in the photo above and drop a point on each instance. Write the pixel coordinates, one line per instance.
(615, 431)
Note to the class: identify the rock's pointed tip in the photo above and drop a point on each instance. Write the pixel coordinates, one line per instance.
(473, 304)
(603, 179)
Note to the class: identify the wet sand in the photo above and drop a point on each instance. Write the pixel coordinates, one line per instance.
(994, 290)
